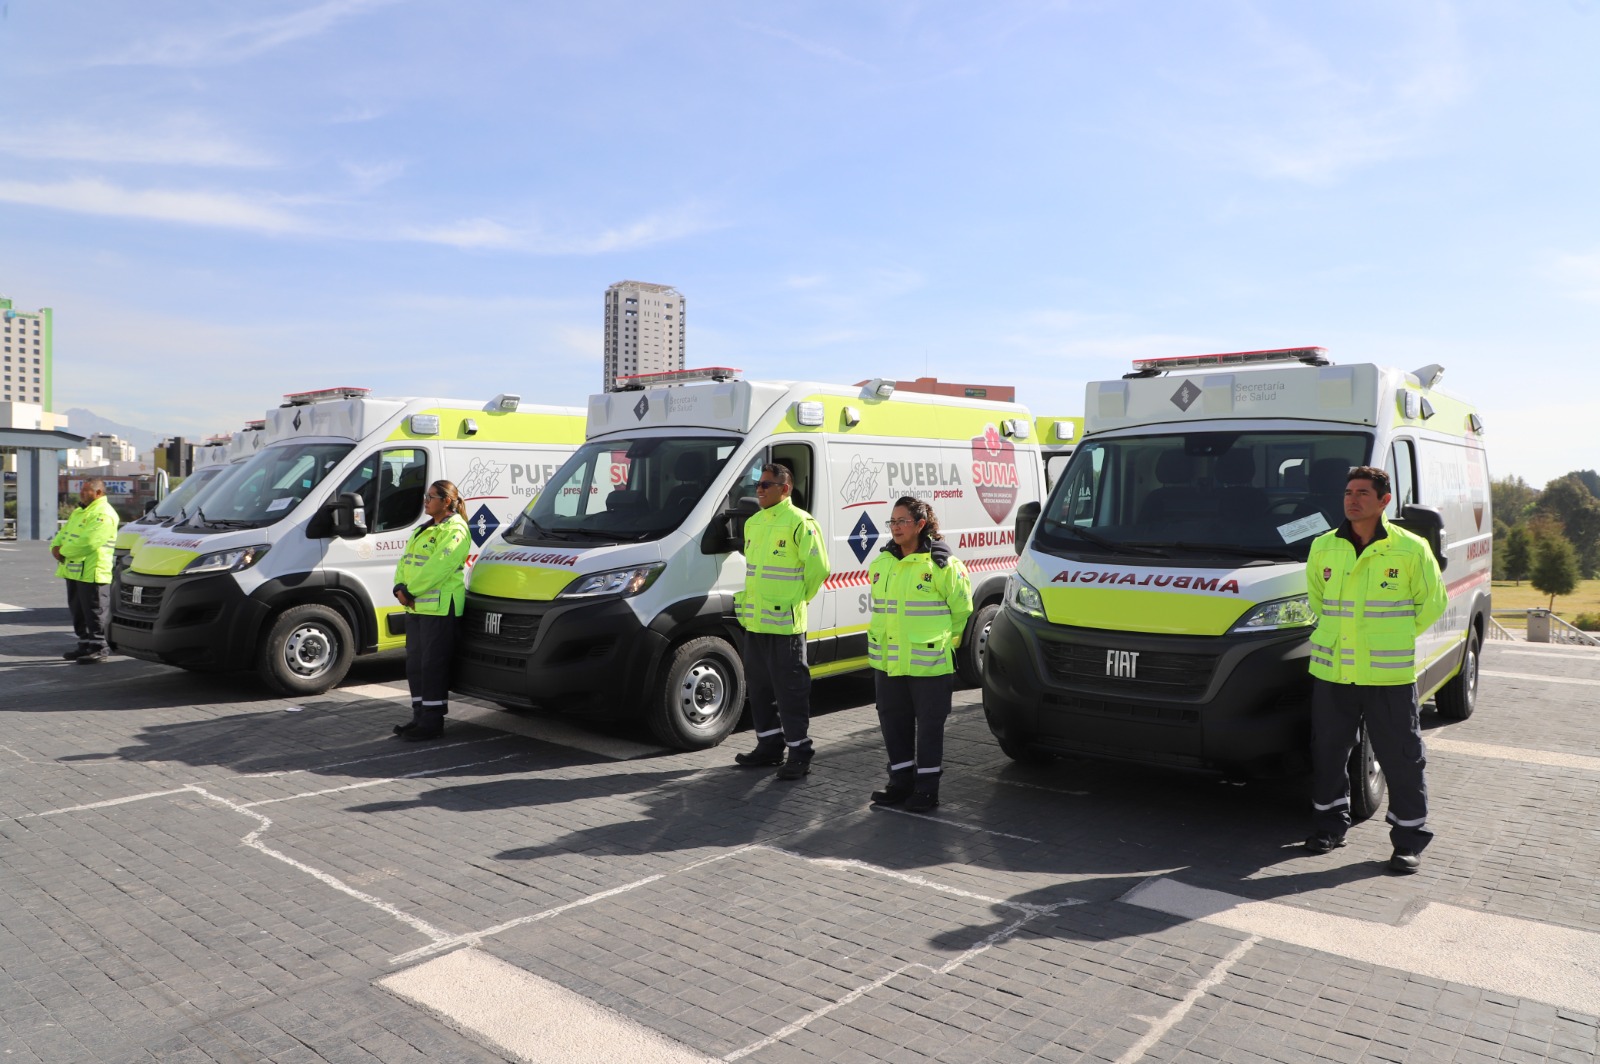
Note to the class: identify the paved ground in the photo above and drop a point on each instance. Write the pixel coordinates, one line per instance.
(192, 871)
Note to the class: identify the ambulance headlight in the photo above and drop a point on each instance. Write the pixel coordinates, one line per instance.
(614, 582)
(1283, 613)
(1024, 597)
(227, 561)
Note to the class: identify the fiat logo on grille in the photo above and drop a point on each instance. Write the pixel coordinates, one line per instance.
(138, 596)
(491, 624)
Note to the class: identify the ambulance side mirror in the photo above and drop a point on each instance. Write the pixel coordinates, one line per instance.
(1027, 517)
(150, 504)
(349, 515)
(1428, 523)
(726, 531)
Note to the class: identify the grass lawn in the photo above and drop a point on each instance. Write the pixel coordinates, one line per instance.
(1509, 596)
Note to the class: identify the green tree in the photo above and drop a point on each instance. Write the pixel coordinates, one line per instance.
(1569, 501)
(1512, 498)
(1515, 558)
(1555, 568)
(1591, 480)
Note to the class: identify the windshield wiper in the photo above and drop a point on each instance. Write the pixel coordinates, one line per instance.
(538, 529)
(223, 522)
(1113, 545)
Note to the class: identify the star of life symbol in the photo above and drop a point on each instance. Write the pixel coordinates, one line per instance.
(862, 482)
(481, 478)
(863, 537)
(1185, 396)
(482, 524)
(642, 407)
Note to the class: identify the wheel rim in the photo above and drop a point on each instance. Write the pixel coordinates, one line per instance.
(1369, 762)
(703, 693)
(310, 650)
(1472, 674)
(983, 646)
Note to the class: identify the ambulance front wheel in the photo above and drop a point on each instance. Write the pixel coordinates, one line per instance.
(969, 655)
(307, 650)
(1367, 785)
(1457, 699)
(701, 695)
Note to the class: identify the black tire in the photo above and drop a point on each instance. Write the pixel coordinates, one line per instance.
(1368, 788)
(1457, 699)
(701, 695)
(1014, 746)
(969, 656)
(308, 650)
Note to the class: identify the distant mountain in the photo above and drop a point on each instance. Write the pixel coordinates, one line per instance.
(86, 422)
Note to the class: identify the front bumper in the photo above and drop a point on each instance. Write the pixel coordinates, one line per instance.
(197, 622)
(1230, 703)
(591, 658)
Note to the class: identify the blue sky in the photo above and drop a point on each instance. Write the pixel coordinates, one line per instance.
(226, 201)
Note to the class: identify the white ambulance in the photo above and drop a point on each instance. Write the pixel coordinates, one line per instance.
(1057, 437)
(1159, 610)
(612, 594)
(212, 460)
(286, 566)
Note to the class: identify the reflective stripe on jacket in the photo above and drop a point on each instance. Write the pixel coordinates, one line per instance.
(88, 542)
(1371, 609)
(919, 611)
(785, 562)
(431, 569)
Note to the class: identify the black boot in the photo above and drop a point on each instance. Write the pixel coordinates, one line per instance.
(430, 726)
(901, 784)
(798, 763)
(768, 752)
(416, 718)
(926, 795)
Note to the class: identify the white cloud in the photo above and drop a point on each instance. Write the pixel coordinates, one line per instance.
(219, 209)
(177, 141)
(487, 233)
(230, 44)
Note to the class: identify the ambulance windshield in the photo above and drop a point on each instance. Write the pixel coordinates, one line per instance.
(623, 490)
(1224, 495)
(267, 488)
(180, 498)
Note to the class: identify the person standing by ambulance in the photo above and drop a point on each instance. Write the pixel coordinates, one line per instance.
(83, 550)
(921, 598)
(429, 583)
(785, 563)
(1373, 588)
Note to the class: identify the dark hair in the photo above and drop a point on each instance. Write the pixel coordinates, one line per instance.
(1379, 478)
(452, 497)
(920, 511)
(782, 474)
(97, 483)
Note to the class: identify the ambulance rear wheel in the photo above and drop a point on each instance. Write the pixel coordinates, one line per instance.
(1367, 785)
(307, 650)
(701, 695)
(1457, 699)
(969, 655)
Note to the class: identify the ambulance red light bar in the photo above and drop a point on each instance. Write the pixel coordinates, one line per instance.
(1311, 356)
(324, 395)
(259, 423)
(676, 376)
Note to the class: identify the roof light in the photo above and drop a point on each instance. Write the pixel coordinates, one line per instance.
(424, 424)
(810, 414)
(639, 381)
(505, 403)
(1065, 430)
(1408, 403)
(1429, 375)
(257, 425)
(1016, 428)
(879, 387)
(324, 395)
(1149, 367)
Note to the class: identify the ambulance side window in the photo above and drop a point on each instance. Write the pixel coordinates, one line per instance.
(1402, 470)
(797, 458)
(391, 485)
(745, 486)
(1078, 500)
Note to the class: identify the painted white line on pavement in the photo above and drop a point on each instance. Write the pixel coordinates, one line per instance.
(1550, 650)
(1159, 1028)
(532, 1019)
(916, 881)
(1557, 965)
(378, 783)
(1035, 786)
(6, 607)
(1535, 676)
(407, 751)
(544, 729)
(1516, 753)
(107, 804)
(947, 822)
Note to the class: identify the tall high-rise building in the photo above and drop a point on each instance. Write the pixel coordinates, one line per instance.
(644, 330)
(25, 359)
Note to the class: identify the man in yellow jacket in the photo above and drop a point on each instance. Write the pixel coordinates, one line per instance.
(83, 550)
(786, 562)
(1374, 588)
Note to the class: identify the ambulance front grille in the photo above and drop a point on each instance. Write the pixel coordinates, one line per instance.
(149, 603)
(1107, 669)
(510, 629)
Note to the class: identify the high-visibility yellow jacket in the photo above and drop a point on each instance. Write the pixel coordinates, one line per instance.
(87, 543)
(431, 568)
(919, 610)
(1371, 609)
(785, 562)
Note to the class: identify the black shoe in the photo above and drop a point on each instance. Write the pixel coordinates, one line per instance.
(92, 657)
(895, 793)
(401, 729)
(765, 755)
(419, 734)
(74, 655)
(1323, 842)
(922, 801)
(1405, 862)
(795, 766)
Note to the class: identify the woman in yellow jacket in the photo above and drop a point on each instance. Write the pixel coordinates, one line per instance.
(921, 598)
(428, 582)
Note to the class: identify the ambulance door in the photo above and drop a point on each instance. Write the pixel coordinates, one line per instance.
(1404, 490)
(804, 461)
(391, 483)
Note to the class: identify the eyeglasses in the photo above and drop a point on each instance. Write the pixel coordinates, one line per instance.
(437, 498)
(899, 522)
(766, 485)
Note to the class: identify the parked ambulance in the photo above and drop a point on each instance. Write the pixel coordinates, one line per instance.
(212, 460)
(1057, 437)
(1159, 611)
(287, 566)
(612, 594)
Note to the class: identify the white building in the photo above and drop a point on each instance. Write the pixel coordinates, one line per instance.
(27, 367)
(644, 330)
(114, 448)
